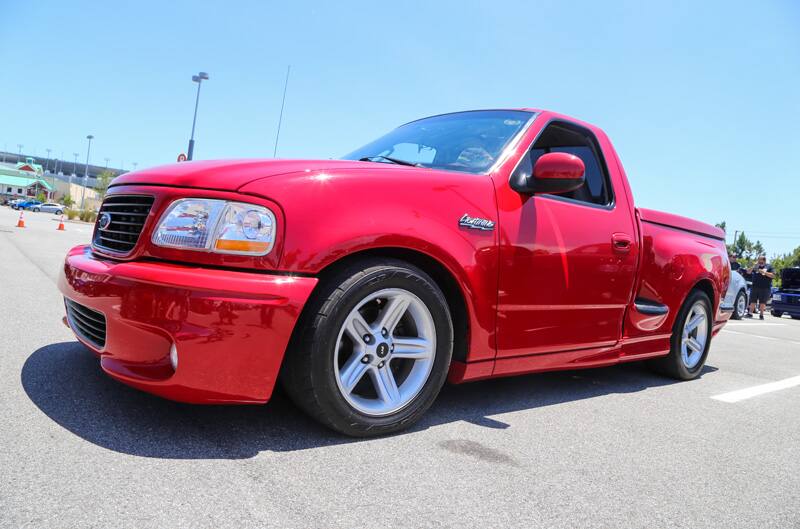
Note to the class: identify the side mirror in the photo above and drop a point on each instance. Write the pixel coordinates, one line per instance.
(558, 172)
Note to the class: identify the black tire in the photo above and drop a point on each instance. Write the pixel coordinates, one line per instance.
(37, 210)
(308, 371)
(794, 317)
(59, 212)
(776, 313)
(672, 365)
(736, 314)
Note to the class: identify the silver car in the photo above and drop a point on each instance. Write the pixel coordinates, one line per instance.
(736, 297)
(49, 207)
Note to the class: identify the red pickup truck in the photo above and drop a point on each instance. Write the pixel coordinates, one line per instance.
(463, 246)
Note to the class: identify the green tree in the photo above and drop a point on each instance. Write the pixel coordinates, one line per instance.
(41, 197)
(103, 181)
(779, 262)
(67, 201)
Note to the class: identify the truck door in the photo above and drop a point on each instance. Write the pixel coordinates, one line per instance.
(567, 262)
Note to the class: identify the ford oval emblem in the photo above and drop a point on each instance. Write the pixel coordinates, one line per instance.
(103, 221)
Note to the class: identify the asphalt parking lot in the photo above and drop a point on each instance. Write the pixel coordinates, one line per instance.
(608, 448)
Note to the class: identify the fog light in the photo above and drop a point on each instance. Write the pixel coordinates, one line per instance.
(173, 357)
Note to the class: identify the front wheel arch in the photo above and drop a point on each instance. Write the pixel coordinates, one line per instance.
(441, 275)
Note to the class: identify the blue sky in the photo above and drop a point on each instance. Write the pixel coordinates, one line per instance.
(701, 99)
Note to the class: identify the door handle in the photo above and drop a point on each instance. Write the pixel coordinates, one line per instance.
(621, 242)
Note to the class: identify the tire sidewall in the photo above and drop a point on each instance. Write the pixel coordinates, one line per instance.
(736, 314)
(677, 335)
(325, 341)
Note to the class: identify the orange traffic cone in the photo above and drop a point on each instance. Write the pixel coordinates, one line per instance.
(21, 221)
(61, 224)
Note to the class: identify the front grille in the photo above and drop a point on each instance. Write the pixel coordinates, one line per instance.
(87, 323)
(128, 214)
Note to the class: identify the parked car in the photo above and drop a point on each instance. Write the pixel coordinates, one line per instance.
(786, 298)
(736, 297)
(28, 204)
(15, 203)
(463, 246)
(49, 207)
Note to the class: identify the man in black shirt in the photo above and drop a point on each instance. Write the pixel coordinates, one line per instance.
(762, 274)
(734, 263)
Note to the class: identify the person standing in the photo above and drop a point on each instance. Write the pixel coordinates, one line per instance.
(735, 266)
(762, 274)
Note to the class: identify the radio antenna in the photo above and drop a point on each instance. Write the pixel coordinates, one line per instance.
(280, 118)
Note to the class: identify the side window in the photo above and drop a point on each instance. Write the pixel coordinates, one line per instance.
(565, 137)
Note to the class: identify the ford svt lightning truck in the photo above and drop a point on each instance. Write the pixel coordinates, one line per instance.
(458, 247)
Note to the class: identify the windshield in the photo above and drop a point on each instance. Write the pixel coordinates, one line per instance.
(465, 141)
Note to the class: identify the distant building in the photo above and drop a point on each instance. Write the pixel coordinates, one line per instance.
(23, 180)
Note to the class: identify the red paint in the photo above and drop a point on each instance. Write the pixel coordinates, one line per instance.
(551, 287)
(560, 166)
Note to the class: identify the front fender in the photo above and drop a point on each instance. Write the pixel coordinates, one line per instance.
(329, 216)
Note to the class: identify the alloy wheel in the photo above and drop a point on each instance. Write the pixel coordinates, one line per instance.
(695, 335)
(385, 352)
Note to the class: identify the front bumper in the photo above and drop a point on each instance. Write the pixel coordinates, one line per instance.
(787, 307)
(231, 329)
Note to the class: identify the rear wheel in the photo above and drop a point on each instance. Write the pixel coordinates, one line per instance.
(691, 338)
(37, 210)
(372, 349)
(795, 317)
(740, 305)
(777, 313)
(59, 212)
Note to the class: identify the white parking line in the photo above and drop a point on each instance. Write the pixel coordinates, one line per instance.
(753, 335)
(760, 336)
(746, 393)
(755, 323)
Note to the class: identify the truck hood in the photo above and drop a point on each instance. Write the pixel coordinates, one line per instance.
(228, 175)
(790, 279)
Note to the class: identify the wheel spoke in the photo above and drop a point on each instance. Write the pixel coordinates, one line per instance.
(696, 320)
(352, 371)
(395, 308)
(357, 327)
(385, 385)
(694, 345)
(415, 348)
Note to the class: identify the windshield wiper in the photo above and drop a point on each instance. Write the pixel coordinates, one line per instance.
(398, 161)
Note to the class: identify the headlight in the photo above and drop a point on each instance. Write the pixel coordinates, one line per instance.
(216, 226)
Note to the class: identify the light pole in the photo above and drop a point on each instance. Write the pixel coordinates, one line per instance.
(47, 165)
(134, 164)
(74, 171)
(20, 151)
(86, 172)
(199, 78)
(107, 160)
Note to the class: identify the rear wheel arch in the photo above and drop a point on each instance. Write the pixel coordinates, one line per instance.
(707, 287)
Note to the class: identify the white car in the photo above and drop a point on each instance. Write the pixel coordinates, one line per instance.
(49, 207)
(736, 297)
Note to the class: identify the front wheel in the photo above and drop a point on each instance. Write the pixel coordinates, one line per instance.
(37, 210)
(372, 349)
(691, 338)
(739, 306)
(777, 313)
